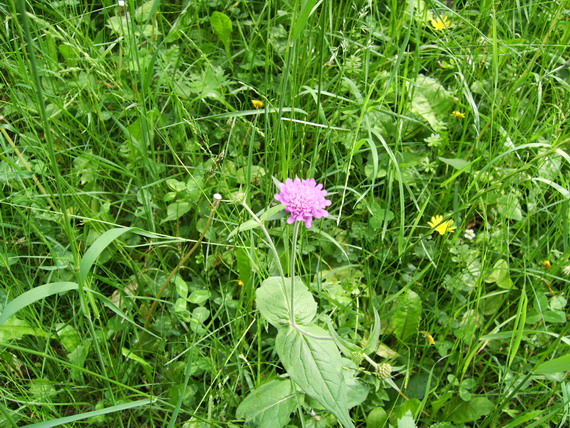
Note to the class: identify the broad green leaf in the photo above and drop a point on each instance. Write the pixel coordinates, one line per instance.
(33, 295)
(556, 365)
(146, 10)
(222, 26)
(314, 363)
(176, 210)
(14, 328)
(176, 185)
(198, 297)
(200, 314)
(460, 411)
(554, 317)
(270, 405)
(356, 389)
(69, 337)
(273, 300)
(376, 418)
(405, 320)
(457, 163)
(430, 100)
(181, 287)
(510, 207)
(500, 275)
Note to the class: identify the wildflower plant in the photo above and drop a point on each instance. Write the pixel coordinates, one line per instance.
(310, 354)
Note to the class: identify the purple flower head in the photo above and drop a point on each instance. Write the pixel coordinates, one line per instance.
(303, 199)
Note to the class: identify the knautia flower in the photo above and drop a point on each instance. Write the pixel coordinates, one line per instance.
(303, 199)
(440, 226)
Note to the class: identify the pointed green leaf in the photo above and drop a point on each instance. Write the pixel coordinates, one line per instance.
(460, 411)
(222, 26)
(273, 300)
(556, 365)
(406, 319)
(270, 405)
(510, 207)
(372, 342)
(314, 363)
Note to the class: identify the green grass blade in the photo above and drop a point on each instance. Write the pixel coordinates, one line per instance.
(86, 415)
(34, 295)
(97, 248)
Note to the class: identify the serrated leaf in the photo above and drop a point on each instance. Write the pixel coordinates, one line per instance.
(270, 405)
(405, 321)
(314, 363)
(510, 207)
(407, 421)
(460, 411)
(556, 365)
(273, 300)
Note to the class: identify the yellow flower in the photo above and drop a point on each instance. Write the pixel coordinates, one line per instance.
(257, 104)
(457, 114)
(440, 226)
(547, 264)
(440, 24)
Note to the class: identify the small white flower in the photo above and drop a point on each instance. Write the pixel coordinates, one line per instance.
(566, 270)
(469, 234)
(121, 3)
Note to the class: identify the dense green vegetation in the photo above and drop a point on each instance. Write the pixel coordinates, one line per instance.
(435, 292)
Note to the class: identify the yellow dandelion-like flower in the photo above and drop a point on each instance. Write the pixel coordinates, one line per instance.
(546, 264)
(440, 226)
(257, 104)
(440, 24)
(458, 114)
(240, 283)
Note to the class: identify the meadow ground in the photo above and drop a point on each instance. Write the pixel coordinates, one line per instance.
(433, 294)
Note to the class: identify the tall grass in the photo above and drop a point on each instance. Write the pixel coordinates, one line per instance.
(133, 117)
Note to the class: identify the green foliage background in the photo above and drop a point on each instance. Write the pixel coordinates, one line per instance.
(133, 116)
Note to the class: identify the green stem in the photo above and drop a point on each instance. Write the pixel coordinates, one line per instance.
(275, 254)
(217, 199)
(293, 257)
